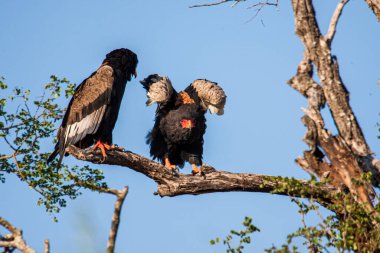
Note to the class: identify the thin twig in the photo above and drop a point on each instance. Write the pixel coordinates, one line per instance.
(22, 176)
(88, 185)
(9, 143)
(300, 204)
(8, 156)
(211, 4)
(260, 6)
(121, 194)
(263, 4)
(334, 21)
(12, 126)
(46, 246)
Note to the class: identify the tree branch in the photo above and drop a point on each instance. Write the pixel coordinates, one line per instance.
(343, 166)
(15, 240)
(46, 246)
(170, 184)
(210, 4)
(121, 194)
(337, 97)
(334, 21)
(262, 4)
(375, 7)
(348, 152)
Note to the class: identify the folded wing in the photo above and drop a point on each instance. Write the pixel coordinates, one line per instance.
(86, 109)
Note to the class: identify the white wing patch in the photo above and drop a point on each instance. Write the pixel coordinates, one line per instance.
(88, 125)
(213, 109)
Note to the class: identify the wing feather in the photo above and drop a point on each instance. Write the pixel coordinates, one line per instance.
(159, 89)
(88, 105)
(212, 96)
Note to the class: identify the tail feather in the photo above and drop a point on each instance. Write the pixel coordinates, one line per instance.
(59, 148)
(53, 155)
(61, 155)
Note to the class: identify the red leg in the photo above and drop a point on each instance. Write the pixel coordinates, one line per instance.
(168, 165)
(103, 147)
(196, 170)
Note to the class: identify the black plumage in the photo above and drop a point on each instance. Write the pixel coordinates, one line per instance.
(180, 123)
(93, 110)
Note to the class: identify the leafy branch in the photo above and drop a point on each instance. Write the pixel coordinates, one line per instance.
(26, 124)
(243, 236)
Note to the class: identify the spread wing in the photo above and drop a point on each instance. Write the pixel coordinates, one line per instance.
(210, 94)
(86, 109)
(159, 89)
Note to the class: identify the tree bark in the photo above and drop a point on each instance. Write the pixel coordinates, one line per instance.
(13, 240)
(348, 153)
(375, 7)
(174, 184)
(121, 194)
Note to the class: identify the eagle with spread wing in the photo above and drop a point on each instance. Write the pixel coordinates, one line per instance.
(93, 110)
(180, 123)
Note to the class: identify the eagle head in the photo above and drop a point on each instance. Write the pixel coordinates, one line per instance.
(123, 59)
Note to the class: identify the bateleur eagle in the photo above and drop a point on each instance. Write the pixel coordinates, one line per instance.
(93, 110)
(180, 123)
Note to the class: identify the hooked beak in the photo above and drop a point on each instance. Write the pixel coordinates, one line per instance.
(134, 73)
(149, 102)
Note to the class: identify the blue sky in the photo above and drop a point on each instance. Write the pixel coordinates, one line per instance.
(261, 131)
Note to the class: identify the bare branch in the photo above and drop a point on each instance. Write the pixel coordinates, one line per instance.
(15, 240)
(334, 21)
(46, 246)
(262, 4)
(9, 144)
(90, 186)
(211, 4)
(348, 152)
(337, 97)
(375, 7)
(259, 7)
(170, 184)
(121, 194)
(6, 224)
(7, 156)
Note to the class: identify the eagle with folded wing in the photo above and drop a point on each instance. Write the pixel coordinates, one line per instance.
(93, 110)
(180, 123)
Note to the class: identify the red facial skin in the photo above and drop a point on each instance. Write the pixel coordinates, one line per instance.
(187, 123)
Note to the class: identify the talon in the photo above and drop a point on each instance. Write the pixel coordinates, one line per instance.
(116, 147)
(174, 171)
(196, 170)
(168, 165)
(102, 146)
(103, 158)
